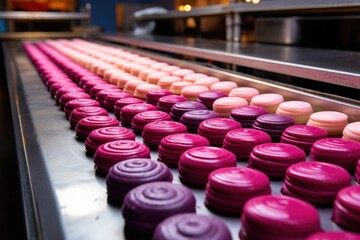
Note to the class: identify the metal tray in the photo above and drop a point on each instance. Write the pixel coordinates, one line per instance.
(63, 198)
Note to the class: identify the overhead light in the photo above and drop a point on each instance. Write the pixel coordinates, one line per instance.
(187, 8)
(255, 1)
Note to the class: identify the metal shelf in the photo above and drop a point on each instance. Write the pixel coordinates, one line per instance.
(44, 16)
(273, 7)
(330, 66)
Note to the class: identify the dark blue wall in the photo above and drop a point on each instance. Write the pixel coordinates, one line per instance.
(103, 11)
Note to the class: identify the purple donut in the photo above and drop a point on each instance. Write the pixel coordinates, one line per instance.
(192, 226)
(208, 98)
(128, 174)
(246, 115)
(149, 204)
(178, 109)
(273, 124)
(192, 119)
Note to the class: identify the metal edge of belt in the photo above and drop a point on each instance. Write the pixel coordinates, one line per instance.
(41, 211)
(319, 102)
(292, 69)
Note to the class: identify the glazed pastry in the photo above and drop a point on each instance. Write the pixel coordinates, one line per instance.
(224, 86)
(192, 226)
(229, 188)
(81, 102)
(333, 122)
(141, 119)
(247, 115)
(119, 104)
(172, 146)
(269, 101)
(88, 124)
(110, 153)
(149, 204)
(178, 109)
(303, 136)
(192, 119)
(274, 158)
(193, 91)
(209, 97)
(278, 217)
(128, 112)
(105, 135)
(153, 96)
(244, 92)
(273, 124)
(352, 131)
(241, 141)
(339, 151)
(300, 111)
(197, 163)
(111, 98)
(165, 103)
(83, 112)
(215, 129)
(128, 174)
(346, 210)
(223, 106)
(315, 182)
(154, 132)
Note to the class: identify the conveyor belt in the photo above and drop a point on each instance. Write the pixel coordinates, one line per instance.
(69, 200)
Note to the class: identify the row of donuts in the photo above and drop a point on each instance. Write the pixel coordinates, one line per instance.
(116, 66)
(273, 124)
(166, 199)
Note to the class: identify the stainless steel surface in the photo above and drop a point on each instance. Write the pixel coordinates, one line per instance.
(277, 30)
(71, 199)
(321, 32)
(43, 16)
(330, 66)
(195, 12)
(275, 7)
(37, 35)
